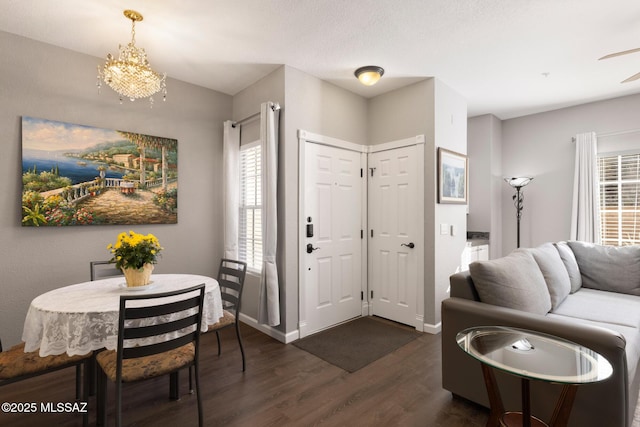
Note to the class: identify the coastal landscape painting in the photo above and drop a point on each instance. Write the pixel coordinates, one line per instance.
(82, 175)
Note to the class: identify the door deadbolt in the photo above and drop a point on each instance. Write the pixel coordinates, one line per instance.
(310, 248)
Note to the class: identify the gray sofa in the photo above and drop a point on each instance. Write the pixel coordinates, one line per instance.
(585, 293)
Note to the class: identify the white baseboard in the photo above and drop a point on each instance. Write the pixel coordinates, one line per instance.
(272, 332)
(289, 337)
(433, 329)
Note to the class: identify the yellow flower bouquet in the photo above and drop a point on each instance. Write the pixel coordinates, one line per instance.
(134, 250)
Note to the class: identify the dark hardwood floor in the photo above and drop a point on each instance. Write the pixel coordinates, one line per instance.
(282, 386)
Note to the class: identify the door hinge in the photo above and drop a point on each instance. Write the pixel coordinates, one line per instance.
(371, 294)
(361, 295)
(362, 234)
(361, 173)
(372, 169)
(372, 232)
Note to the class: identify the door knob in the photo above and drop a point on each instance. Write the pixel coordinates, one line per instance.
(310, 248)
(409, 245)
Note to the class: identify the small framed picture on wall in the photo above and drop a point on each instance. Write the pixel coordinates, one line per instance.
(453, 174)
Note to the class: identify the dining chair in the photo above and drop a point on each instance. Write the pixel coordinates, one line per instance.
(16, 365)
(231, 280)
(103, 269)
(158, 334)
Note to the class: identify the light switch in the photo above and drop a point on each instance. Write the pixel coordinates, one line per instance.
(444, 228)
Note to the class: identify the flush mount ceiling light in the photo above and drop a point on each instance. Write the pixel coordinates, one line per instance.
(131, 75)
(369, 75)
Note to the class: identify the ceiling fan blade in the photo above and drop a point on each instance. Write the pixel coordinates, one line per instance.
(624, 52)
(632, 78)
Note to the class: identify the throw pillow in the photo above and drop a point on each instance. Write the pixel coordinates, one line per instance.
(554, 272)
(608, 268)
(513, 281)
(570, 263)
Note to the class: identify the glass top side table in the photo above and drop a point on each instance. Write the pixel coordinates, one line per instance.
(531, 355)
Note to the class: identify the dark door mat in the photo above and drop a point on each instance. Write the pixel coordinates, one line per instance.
(355, 344)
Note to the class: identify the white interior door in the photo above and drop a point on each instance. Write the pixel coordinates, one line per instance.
(394, 237)
(333, 244)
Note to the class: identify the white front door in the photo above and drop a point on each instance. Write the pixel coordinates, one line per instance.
(332, 244)
(394, 238)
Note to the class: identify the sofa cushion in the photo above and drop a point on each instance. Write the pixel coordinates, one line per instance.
(608, 268)
(513, 281)
(554, 272)
(570, 263)
(602, 306)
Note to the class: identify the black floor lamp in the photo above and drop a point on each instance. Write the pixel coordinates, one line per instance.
(518, 198)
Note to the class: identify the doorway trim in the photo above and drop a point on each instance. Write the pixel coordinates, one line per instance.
(305, 137)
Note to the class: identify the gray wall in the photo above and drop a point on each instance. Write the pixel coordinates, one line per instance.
(450, 126)
(44, 81)
(484, 145)
(540, 145)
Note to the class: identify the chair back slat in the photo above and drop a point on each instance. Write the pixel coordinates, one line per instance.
(150, 328)
(224, 283)
(161, 309)
(159, 329)
(231, 299)
(226, 270)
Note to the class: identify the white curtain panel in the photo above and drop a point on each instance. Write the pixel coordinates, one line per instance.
(585, 216)
(269, 305)
(231, 188)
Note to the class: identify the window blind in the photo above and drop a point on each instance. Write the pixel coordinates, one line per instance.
(619, 197)
(250, 224)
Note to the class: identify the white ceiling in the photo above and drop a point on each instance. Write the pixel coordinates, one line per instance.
(495, 53)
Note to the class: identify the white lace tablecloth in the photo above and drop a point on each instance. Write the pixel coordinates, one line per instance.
(81, 318)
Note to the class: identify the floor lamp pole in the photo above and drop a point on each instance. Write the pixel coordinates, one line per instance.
(518, 212)
(518, 198)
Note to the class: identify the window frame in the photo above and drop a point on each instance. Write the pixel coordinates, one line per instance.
(243, 239)
(621, 196)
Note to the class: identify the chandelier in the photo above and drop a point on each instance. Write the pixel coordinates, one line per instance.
(131, 75)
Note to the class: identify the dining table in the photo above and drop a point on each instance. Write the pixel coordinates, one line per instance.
(83, 317)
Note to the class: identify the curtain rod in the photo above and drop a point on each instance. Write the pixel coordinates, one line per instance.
(274, 107)
(246, 120)
(607, 134)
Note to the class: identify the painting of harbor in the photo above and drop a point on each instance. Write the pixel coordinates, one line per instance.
(82, 175)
